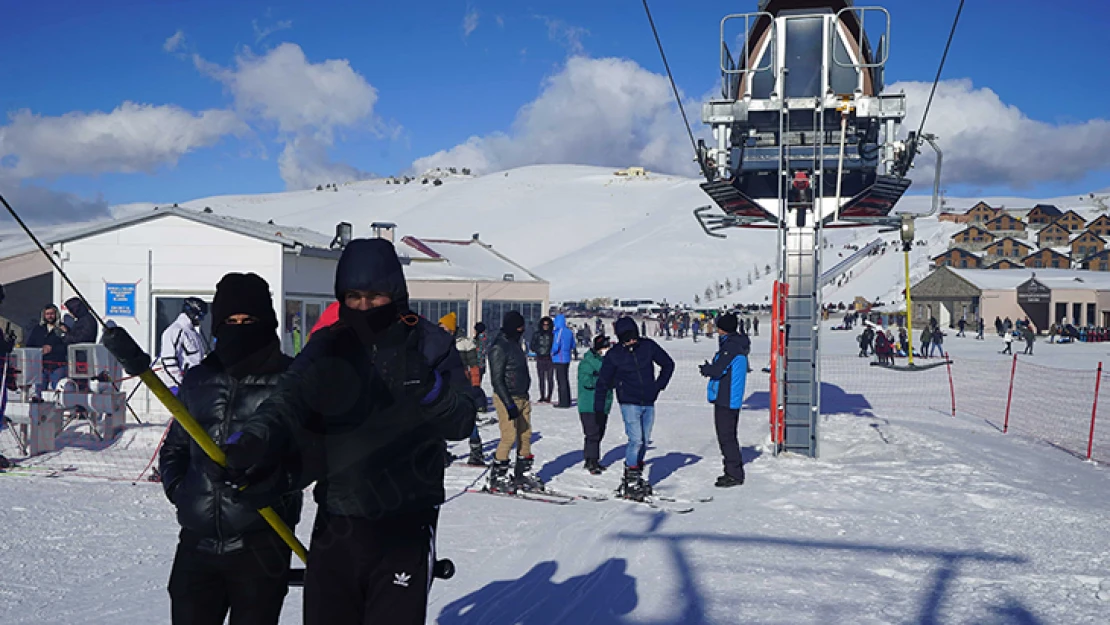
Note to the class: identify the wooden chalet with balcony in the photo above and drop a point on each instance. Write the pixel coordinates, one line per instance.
(1099, 261)
(1053, 235)
(959, 258)
(1007, 247)
(1071, 220)
(972, 238)
(1086, 244)
(1005, 223)
(1005, 263)
(1042, 214)
(1047, 259)
(1100, 226)
(981, 213)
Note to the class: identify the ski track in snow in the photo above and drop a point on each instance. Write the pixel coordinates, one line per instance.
(910, 516)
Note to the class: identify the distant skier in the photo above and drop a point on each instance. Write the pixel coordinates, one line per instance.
(755, 326)
(543, 340)
(629, 368)
(481, 341)
(593, 423)
(728, 374)
(1008, 338)
(937, 342)
(1029, 336)
(998, 327)
(962, 324)
(228, 558)
(508, 373)
(562, 348)
(183, 347)
(926, 339)
(980, 326)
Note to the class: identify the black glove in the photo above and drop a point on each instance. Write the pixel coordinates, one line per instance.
(513, 410)
(244, 456)
(703, 369)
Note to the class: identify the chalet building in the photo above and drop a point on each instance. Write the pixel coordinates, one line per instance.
(973, 238)
(956, 218)
(1071, 220)
(1086, 244)
(1042, 215)
(1005, 223)
(1005, 263)
(1100, 226)
(957, 257)
(981, 213)
(1053, 235)
(1047, 258)
(1008, 247)
(1099, 261)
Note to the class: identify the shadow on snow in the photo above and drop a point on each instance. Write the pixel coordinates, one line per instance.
(834, 400)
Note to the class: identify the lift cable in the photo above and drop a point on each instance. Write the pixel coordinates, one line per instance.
(940, 68)
(674, 87)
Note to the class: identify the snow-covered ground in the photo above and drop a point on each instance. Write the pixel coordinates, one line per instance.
(909, 516)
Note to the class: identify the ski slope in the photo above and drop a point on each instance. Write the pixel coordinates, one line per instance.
(909, 516)
(587, 231)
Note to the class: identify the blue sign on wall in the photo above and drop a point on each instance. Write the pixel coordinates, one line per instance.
(120, 299)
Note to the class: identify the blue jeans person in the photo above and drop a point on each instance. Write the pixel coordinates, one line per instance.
(638, 421)
(50, 378)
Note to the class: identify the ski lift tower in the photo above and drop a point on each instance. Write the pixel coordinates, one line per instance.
(804, 139)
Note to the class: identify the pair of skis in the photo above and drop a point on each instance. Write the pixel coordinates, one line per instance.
(658, 502)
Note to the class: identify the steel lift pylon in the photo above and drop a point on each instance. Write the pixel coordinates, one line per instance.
(804, 139)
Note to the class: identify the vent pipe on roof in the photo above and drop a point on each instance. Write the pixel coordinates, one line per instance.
(343, 233)
(384, 230)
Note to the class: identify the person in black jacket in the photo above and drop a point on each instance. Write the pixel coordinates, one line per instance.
(227, 556)
(48, 336)
(630, 369)
(508, 366)
(84, 328)
(543, 339)
(382, 390)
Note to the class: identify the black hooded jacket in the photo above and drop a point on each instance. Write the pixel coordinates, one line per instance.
(508, 366)
(383, 447)
(211, 519)
(543, 338)
(84, 325)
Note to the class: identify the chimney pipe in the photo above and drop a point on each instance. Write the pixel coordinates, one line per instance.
(343, 233)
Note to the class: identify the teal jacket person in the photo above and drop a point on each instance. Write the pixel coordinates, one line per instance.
(588, 371)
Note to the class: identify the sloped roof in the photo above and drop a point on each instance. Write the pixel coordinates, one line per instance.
(959, 249)
(449, 259)
(974, 227)
(1048, 210)
(1005, 216)
(1061, 251)
(288, 236)
(1062, 279)
(1080, 234)
(1000, 241)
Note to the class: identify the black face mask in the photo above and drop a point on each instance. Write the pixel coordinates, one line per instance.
(369, 324)
(236, 344)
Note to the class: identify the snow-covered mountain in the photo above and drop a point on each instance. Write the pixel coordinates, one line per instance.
(593, 233)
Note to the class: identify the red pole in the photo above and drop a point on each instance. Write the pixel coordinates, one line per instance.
(951, 386)
(1094, 410)
(772, 403)
(1009, 396)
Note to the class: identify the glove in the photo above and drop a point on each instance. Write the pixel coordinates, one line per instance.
(703, 369)
(513, 410)
(244, 456)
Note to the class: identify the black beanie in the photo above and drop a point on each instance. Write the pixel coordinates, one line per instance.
(512, 321)
(243, 294)
(479, 327)
(728, 323)
(601, 342)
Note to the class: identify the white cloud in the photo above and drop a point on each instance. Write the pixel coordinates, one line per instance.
(174, 42)
(309, 102)
(470, 22)
(500, 21)
(987, 142)
(609, 112)
(566, 35)
(39, 205)
(261, 32)
(131, 138)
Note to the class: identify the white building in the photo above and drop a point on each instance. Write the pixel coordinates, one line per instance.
(137, 271)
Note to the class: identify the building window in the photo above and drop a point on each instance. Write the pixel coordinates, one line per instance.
(1055, 264)
(434, 309)
(494, 310)
(1102, 266)
(166, 310)
(963, 264)
(1037, 264)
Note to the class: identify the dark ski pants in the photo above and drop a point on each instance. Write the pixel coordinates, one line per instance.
(727, 419)
(593, 426)
(251, 582)
(562, 378)
(546, 370)
(370, 572)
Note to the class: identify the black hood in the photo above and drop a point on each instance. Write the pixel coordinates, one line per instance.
(371, 265)
(76, 307)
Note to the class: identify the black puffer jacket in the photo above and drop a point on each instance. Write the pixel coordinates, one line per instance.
(84, 328)
(222, 404)
(383, 448)
(508, 366)
(543, 339)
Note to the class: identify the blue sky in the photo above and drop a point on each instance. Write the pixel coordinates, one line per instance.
(407, 83)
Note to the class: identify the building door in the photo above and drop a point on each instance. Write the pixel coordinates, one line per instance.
(1091, 314)
(1077, 313)
(1061, 312)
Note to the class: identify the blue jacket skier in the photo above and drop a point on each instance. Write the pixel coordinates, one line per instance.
(562, 346)
(728, 374)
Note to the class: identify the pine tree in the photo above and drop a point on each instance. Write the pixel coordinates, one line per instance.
(757, 272)
(749, 278)
(728, 286)
(466, 171)
(697, 299)
(767, 270)
(708, 294)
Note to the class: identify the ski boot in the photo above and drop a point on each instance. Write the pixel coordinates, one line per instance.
(594, 467)
(727, 481)
(633, 486)
(523, 478)
(477, 458)
(499, 480)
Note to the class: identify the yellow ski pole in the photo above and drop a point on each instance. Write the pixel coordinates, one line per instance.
(136, 362)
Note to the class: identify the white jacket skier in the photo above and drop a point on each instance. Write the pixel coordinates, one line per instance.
(183, 346)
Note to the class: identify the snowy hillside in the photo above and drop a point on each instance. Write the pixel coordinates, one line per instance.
(590, 232)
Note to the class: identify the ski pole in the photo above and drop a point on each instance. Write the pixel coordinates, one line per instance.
(136, 362)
